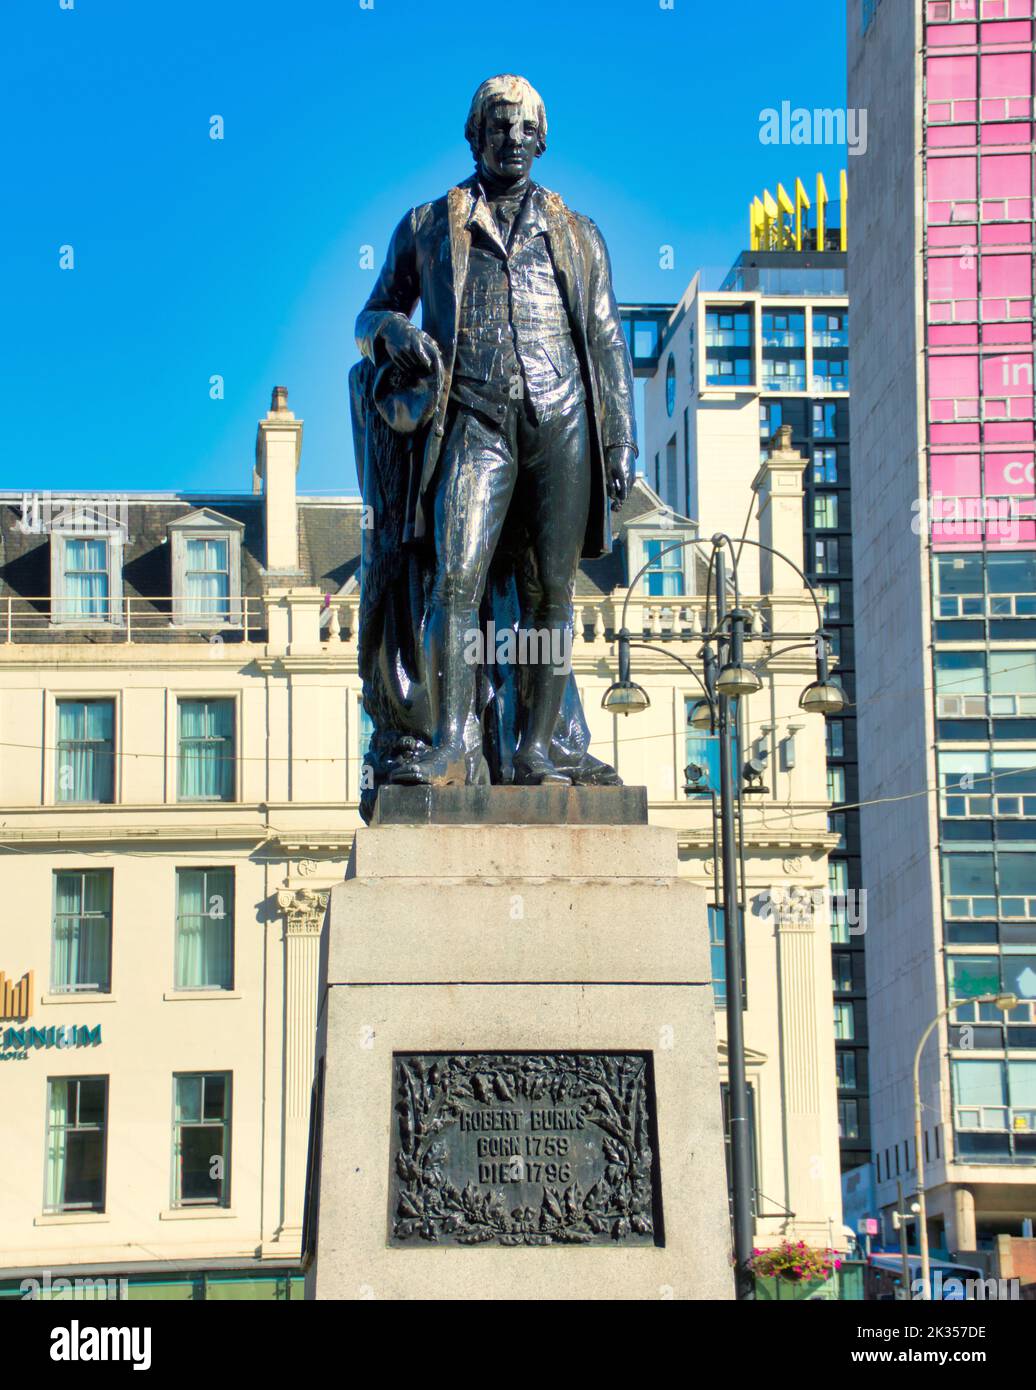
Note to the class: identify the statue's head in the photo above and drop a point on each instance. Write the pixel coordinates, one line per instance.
(506, 126)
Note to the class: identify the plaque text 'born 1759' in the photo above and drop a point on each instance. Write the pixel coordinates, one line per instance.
(523, 1149)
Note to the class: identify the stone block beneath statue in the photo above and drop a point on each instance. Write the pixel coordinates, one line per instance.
(518, 1093)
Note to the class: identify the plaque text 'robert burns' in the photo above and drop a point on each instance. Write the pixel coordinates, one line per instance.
(523, 1149)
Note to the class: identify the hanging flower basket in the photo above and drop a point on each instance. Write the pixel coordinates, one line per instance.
(796, 1263)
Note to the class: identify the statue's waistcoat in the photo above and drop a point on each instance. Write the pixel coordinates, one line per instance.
(513, 334)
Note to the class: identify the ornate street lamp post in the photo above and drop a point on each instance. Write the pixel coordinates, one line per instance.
(725, 678)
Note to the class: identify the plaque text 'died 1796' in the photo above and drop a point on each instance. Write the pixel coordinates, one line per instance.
(524, 1149)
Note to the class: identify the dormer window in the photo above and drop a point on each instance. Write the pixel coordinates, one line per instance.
(207, 578)
(85, 570)
(665, 576)
(87, 580)
(206, 569)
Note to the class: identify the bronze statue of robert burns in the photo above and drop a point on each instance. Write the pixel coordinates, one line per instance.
(492, 443)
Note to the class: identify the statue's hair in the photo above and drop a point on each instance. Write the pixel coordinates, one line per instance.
(506, 87)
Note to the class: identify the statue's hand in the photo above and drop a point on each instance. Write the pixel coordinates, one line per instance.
(619, 467)
(406, 345)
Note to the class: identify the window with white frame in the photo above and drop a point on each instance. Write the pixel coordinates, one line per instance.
(664, 577)
(207, 577)
(85, 577)
(206, 569)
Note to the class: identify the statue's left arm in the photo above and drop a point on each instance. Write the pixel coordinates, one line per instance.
(609, 354)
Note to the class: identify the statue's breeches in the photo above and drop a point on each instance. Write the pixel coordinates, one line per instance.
(532, 478)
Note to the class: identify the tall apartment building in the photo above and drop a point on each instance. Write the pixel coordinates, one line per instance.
(724, 370)
(941, 275)
(182, 733)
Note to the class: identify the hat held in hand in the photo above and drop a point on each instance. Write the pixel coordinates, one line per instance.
(406, 399)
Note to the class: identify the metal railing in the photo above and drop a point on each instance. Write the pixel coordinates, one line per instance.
(137, 618)
(130, 618)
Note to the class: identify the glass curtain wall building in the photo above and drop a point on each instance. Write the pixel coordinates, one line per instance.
(943, 449)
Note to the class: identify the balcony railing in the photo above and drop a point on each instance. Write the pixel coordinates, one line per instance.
(657, 617)
(131, 617)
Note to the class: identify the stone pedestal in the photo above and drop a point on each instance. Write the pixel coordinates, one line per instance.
(516, 1062)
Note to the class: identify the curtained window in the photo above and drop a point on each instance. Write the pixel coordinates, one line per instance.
(85, 763)
(81, 948)
(207, 578)
(201, 1139)
(204, 952)
(206, 750)
(76, 1124)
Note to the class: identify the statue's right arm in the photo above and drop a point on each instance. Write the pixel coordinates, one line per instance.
(397, 292)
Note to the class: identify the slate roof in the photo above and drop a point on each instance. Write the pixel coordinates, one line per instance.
(329, 555)
(146, 571)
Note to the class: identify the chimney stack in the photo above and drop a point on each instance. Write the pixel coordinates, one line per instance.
(278, 447)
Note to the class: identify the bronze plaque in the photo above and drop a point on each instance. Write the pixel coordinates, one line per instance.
(530, 1148)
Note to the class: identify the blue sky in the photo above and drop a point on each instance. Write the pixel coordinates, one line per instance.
(241, 257)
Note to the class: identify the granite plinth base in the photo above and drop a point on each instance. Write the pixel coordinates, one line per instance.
(518, 1067)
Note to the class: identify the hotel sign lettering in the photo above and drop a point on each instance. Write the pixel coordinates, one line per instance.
(524, 1149)
(17, 1041)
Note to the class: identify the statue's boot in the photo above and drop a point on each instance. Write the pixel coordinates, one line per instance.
(544, 688)
(533, 768)
(451, 691)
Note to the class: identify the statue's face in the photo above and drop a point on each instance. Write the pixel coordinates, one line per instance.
(509, 140)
